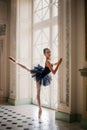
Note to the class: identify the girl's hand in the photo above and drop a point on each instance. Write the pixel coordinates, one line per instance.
(60, 60)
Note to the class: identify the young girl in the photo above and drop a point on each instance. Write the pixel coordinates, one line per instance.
(41, 74)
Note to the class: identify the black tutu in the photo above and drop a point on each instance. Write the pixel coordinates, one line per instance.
(41, 74)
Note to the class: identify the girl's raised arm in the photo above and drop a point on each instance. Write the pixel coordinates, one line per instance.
(57, 66)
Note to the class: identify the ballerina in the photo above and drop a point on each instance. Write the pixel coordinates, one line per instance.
(41, 74)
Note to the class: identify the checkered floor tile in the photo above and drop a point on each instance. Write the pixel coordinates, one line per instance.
(15, 118)
(25, 118)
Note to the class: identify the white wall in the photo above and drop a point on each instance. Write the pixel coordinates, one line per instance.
(20, 49)
(73, 54)
(4, 52)
(12, 90)
(80, 53)
(23, 53)
(76, 54)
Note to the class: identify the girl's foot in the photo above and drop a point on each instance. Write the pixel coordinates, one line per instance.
(12, 59)
(39, 113)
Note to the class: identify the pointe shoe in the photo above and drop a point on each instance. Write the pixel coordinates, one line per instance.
(39, 113)
(12, 59)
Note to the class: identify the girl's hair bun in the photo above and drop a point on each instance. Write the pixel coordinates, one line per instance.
(45, 49)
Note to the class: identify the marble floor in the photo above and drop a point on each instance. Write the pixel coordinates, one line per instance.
(25, 118)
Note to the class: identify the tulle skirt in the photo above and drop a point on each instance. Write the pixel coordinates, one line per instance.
(37, 75)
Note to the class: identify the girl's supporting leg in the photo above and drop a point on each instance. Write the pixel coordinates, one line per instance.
(38, 98)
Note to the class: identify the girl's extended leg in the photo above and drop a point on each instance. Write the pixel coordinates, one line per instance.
(38, 98)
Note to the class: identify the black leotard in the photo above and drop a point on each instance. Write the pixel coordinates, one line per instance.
(45, 72)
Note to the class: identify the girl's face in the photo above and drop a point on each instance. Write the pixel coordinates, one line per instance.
(48, 54)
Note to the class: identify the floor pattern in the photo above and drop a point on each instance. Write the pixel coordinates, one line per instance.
(25, 118)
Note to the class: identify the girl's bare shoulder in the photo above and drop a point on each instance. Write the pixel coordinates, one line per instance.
(47, 63)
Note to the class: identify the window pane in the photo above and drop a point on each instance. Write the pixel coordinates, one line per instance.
(54, 41)
(38, 16)
(45, 13)
(55, 8)
(46, 3)
(41, 10)
(41, 40)
(37, 5)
